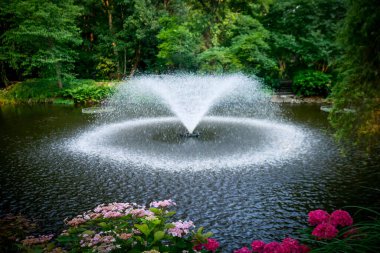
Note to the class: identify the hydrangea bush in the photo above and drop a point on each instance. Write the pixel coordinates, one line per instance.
(126, 227)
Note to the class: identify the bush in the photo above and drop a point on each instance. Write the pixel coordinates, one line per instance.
(311, 83)
(87, 93)
(125, 227)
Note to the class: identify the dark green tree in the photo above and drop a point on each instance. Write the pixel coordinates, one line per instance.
(303, 34)
(42, 37)
(356, 96)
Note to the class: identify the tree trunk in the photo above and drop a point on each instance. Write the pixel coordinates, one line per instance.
(3, 75)
(107, 6)
(136, 61)
(125, 63)
(58, 73)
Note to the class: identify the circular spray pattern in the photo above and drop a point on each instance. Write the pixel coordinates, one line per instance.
(226, 142)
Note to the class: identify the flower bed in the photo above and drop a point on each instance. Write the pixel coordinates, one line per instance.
(128, 227)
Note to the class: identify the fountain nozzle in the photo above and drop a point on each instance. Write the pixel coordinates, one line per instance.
(190, 135)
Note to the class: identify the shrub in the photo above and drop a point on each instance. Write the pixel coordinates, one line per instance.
(86, 93)
(125, 227)
(311, 83)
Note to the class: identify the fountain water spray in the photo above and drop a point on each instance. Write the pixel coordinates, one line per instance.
(231, 118)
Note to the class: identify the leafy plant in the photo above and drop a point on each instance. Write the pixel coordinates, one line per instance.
(125, 227)
(311, 83)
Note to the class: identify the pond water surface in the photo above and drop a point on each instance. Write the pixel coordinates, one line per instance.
(41, 178)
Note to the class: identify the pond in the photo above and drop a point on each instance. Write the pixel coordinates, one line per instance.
(43, 178)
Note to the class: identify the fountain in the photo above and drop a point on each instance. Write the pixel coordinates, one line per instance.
(189, 121)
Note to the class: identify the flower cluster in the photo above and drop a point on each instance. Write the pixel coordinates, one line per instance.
(181, 228)
(32, 240)
(211, 245)
(326, 224)
(112, 210)
(288, 245)
(99, 242)
(163, 204)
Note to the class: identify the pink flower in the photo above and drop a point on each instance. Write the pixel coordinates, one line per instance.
(125, 236)
(112, 214)
(163, 204)
(273, 247)
(211, 244)
(325, 231)
(31, 240)
(76, 221)
(242, 250)
(341, 218)
(181, 228)
(317, 217)
(258, 246)
(290, 245)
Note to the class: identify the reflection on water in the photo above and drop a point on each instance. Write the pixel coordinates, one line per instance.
(268, 201)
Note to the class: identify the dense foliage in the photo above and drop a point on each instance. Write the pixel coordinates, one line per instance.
(358, 87)
(112, 39)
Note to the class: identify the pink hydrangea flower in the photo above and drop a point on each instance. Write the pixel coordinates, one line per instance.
(242, 250)
(125, 236)
(317, 217)
(31, 240)
(341, 218)
(163, 204)
(273, 247)
(112, 214)
(181, 228)
(325, 231)
(76, 221)
(258, 246)
(211, 245)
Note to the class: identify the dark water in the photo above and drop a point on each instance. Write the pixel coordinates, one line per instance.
(42, 180)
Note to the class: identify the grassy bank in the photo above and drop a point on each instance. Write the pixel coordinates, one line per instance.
(76, 91)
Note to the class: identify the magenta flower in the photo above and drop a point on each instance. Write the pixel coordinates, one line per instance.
(211, 244)
(273, 247)
(317, 217)
(290, 245)
(325, 231)
(258, 246)
(242, 250)
(304, 249)
(341, 218)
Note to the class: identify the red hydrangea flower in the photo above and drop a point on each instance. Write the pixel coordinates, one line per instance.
(341, 218)
(325, 231)
(211, 244)
(273, 247)
(198, 247)
(242, 250)
(304, 249)
(317, 217)
(290, 245)
(258, 246)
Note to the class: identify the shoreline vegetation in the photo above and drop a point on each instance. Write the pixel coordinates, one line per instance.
(91, 92)
(73, 92)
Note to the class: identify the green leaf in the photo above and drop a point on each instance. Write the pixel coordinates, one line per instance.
(158, 236)
(143, 228)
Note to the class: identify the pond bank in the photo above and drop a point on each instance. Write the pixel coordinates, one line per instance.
(75, 91)
(293, 99)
